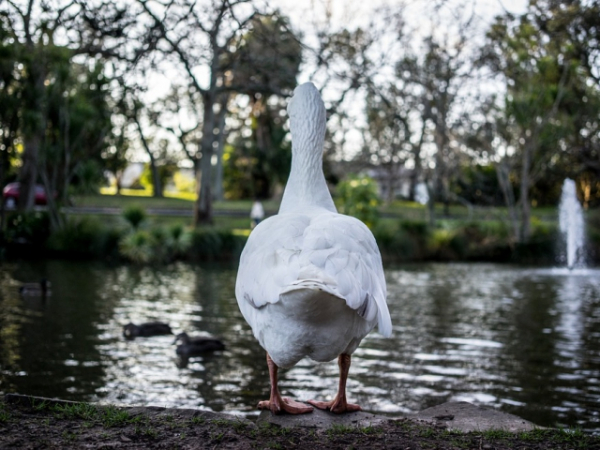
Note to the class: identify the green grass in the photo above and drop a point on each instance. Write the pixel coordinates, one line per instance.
(340, 429)
(177, 204)
(113, 417)
(267, 429)
(84, 411)
(4, 415)
(400, 208)
(197, 420)
(171, 202)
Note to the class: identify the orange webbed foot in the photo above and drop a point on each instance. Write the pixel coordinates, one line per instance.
(336, 406)
(285, 404)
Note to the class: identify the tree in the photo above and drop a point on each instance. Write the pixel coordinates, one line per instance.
(576, 24)
(388, 141)
(114, 154)
(255, 166)
(63, 109)
(179, 113)
(165, 166)
(78, 122)
(541, 79)
(203, 36)
(10, 93)
(266, 64)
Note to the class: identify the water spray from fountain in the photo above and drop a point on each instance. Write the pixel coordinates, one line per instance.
(571, 224)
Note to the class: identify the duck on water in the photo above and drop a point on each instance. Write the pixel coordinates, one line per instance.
(131, 330)
(198, 345)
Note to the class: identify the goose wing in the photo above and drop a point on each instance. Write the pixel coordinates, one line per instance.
(337, 253)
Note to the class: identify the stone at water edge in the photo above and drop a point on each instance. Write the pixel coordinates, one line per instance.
(465, 417)
(459, 416)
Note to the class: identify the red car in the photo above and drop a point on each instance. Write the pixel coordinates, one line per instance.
(11, 194)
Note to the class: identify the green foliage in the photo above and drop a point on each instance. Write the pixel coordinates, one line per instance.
(84, 237)
(254, 167)
(134, 215)
(10, 117)
(478, 185)
(268, 57)
(179, 240)
(215, 244)
(183, 183)
(166, 166)
(358, 197)
(89, 177)
(137, 246)
(402, 241)
(28, 228)
(85, 411)
(5, 416)
(471, 241)
(440, 240)
(157, 245)
(267, 62)
(112, 416)
(78, 123)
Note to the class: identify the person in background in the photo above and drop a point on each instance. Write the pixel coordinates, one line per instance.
(257, 213)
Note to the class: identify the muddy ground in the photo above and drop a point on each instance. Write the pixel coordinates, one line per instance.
(33, 423)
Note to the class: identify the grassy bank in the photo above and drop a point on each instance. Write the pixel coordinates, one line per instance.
(163, 234)
(38, 423)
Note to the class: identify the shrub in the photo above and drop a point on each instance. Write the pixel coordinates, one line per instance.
(206, 244)
(179, 240)
(359, 197)
(134, 215)
(395, 244)
(84, 238)
(31, 228)
(138, 247)
(440, 244)
(215, 244)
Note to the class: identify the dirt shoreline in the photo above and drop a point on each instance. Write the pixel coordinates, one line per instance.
(37, 423)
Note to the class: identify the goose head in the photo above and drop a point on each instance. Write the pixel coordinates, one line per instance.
(308, 118)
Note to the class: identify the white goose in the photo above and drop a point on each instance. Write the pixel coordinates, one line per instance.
(310, 281)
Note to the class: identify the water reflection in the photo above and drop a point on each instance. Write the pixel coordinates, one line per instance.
(523, 340)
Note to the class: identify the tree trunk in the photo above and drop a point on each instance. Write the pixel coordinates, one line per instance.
(391, 183)
(203, 207)
(158, 188)
(33, 137)
(156, 184)
(525, 229)
(418, 169)
(431, 202)
(29, 172)
(118, 177)
(220, 144)
(503, 175)
(436, 191)
(56, 219)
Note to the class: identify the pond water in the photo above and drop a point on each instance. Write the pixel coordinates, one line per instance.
(524, 340)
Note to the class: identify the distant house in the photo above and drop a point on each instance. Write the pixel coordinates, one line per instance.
(131, 174)
(393, 181)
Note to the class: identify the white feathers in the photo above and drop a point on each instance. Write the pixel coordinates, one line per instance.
(310, 281)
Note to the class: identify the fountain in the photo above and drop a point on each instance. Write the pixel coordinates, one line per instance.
(571, 224)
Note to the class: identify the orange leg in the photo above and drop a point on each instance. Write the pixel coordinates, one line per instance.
(339, 404)
(277, 404)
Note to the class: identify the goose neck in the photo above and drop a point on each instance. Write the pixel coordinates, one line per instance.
(306, 185)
